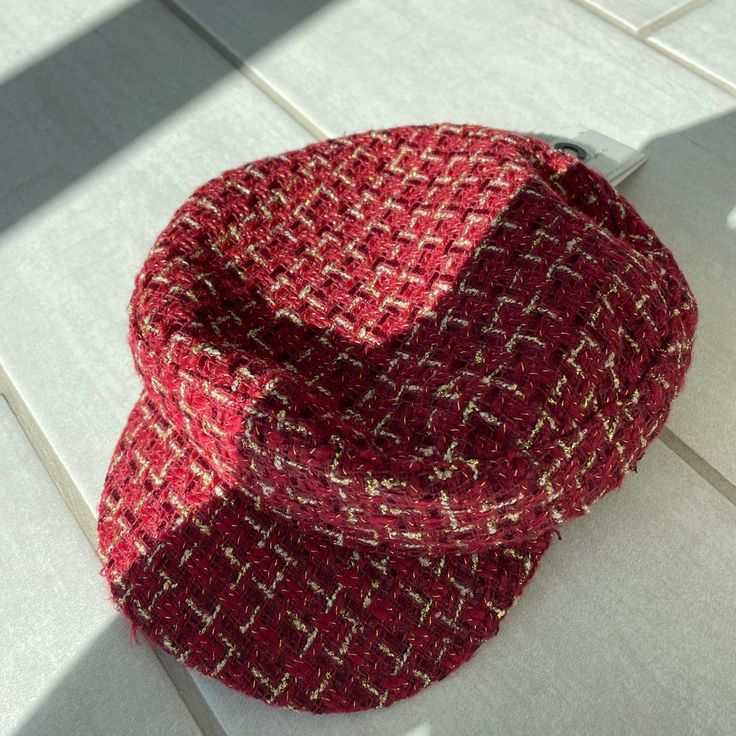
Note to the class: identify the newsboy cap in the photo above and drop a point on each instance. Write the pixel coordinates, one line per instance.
(378, 373)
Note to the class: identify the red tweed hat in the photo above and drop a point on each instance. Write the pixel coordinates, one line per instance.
(378, 373)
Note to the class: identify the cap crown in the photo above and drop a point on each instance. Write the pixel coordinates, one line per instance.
(430, 338)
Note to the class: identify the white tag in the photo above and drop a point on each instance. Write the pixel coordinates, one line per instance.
(608, 157)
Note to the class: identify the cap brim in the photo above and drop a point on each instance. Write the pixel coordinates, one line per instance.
(288, 618)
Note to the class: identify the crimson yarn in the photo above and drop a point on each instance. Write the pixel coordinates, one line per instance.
(378, 373)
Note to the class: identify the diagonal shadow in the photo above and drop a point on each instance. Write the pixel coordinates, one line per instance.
(68, 113)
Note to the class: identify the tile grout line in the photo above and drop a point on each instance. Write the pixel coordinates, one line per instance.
(653, 43)
(699, 464)
(300, 117)
(653, 25)
(257, 79)
(53, 466)
(181, 680)
(667, 18)
(643, 34)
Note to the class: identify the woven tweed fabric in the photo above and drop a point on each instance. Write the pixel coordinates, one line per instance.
(284, 616)
(378, 373)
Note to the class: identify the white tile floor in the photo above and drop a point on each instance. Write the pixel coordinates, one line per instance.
(110, 116)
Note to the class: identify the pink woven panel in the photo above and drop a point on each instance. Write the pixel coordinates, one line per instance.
(426, 343)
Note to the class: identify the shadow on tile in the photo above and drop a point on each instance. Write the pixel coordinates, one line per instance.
(104, 691)
(69, 112)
